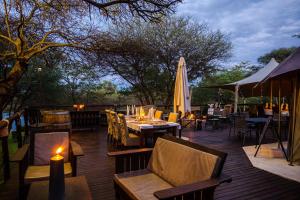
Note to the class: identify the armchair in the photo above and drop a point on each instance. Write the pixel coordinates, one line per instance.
(34, 158)
(173, 169)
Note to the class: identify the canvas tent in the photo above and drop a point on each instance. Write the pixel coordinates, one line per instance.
(286, 78)
(247, 85)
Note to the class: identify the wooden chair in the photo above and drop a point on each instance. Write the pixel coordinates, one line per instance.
(158, 114)
(156, 173)
(127, 139)
(109, 126)
(34, 158)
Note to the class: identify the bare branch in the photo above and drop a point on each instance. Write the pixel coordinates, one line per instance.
(6, 19)
(8, 39)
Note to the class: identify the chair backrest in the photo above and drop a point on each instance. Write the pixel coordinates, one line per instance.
(147, 108)
(123, 128)
(181, 162)
(158, 114)
(240, 122)
(173, 117)
(44, 144)
(109, 123)
(115, 125)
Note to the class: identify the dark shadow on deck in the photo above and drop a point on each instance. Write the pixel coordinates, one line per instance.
(248, 182)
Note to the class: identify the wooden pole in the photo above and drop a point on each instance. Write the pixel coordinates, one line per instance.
(295, 83)
(271, 95)
(236, 98)
(279, 108)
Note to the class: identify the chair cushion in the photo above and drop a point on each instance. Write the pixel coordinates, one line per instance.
(141, 184)
(179, 164)
(45, 145)
(42, 172)
(132, 140)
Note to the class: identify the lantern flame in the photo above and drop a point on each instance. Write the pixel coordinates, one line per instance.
(59, 150)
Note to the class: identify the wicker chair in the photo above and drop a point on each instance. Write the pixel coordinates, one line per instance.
(148, 173)
(127, 138)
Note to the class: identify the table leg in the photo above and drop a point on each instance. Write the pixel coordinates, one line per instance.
(174, 132)
(142, 139)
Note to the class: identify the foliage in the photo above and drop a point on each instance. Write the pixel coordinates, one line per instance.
(279, 55)
(204, 93)
(31, 27)
(146, 54)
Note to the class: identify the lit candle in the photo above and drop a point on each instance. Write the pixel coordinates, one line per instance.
(57, 177)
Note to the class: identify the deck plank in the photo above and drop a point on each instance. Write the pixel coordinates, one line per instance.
(248, 182)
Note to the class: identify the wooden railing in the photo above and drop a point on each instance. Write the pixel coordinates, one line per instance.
(85, 119)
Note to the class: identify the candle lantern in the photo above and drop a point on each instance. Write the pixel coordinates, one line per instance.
(57, 177)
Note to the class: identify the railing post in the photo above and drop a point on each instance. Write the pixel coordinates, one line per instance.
(26, 123)
(5, 152)
(19, 132)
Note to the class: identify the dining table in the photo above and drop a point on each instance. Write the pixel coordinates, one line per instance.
(147, 127)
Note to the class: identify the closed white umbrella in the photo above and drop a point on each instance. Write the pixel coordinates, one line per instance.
(181, 92)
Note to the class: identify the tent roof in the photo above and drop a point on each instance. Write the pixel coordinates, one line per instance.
(290, 64)
(259, 75)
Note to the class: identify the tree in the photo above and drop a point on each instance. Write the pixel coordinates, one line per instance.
(279, 55)
(202, 94)
(146, 55)
(81, 79)
(31, 27)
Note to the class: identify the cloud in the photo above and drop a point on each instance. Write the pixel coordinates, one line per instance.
(255, 26)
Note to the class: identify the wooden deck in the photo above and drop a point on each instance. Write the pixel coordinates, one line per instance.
(248, 182)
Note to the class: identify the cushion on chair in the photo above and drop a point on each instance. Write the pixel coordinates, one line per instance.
(179, 164)
(45, 145)
(38, 173)
(141, 184)
(132, 140)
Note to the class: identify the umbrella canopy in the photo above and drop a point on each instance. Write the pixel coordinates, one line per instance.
(181, 92)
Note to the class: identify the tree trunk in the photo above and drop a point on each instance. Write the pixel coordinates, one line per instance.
(8, 85)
